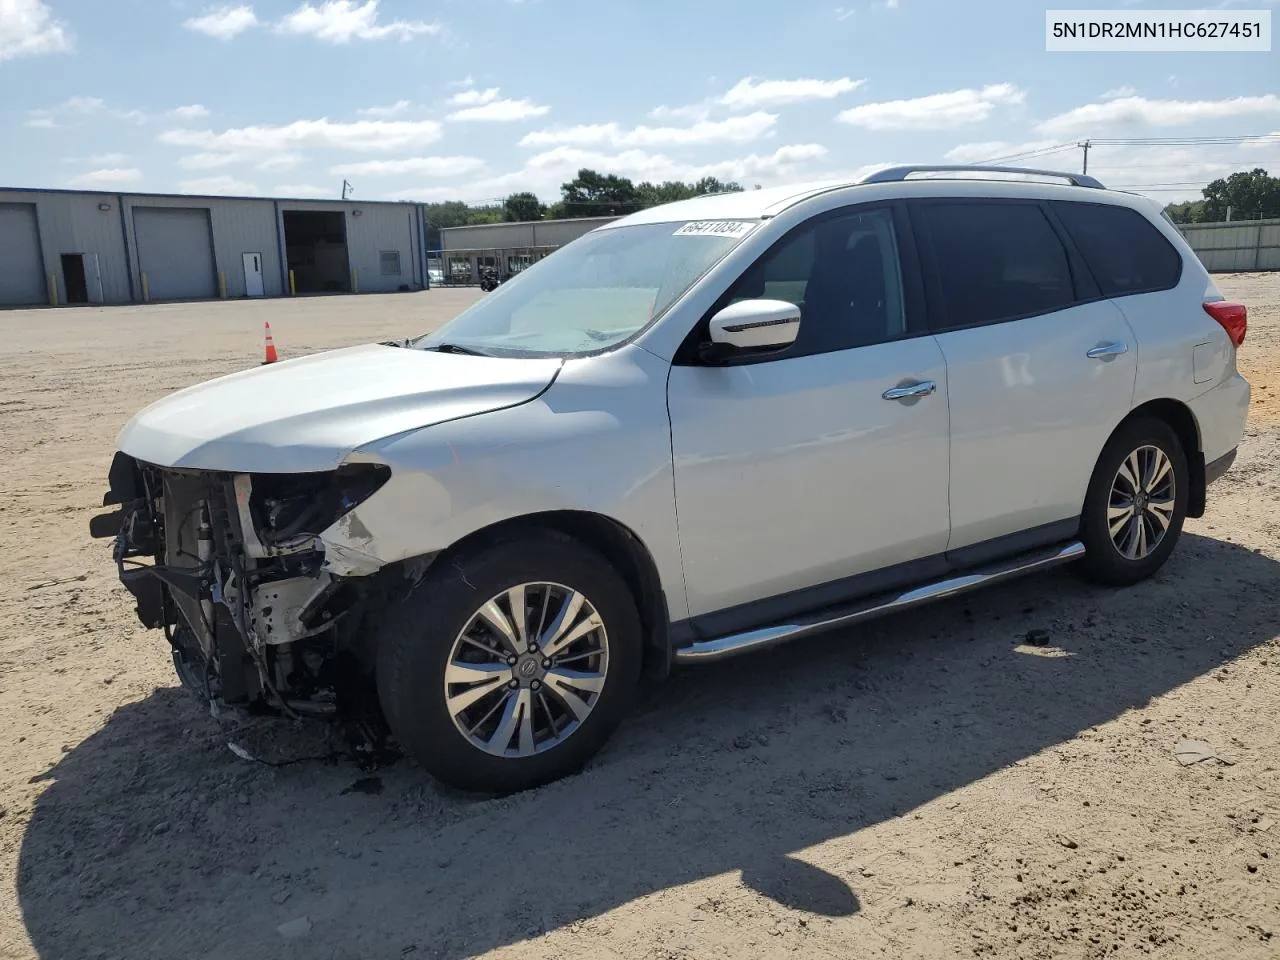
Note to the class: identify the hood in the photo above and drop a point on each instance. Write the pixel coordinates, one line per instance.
(309, 413)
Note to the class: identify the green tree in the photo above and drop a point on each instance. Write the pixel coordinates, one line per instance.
(479, 215)
(1192, 211)
(592, 194)
(522, 207)
(1249, 195)
(451, 213)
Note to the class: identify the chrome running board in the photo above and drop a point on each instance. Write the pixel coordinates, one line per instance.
(705, 651)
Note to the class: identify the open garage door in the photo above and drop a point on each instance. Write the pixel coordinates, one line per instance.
(22, 281)
(175, 251)
(316, 245)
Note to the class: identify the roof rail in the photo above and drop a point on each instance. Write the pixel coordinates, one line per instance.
(892, 174)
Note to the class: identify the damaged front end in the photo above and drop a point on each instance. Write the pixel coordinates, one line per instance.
(233, 568)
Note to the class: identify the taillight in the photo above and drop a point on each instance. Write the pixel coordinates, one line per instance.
(1234, 318)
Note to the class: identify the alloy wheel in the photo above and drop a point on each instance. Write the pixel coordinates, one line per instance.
(1141, 505)
(527, 669)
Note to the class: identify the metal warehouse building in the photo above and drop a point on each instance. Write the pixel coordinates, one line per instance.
(506, 247)
(72, 246)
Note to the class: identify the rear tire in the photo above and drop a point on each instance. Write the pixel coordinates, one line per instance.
(1135, 505)
(488, 700)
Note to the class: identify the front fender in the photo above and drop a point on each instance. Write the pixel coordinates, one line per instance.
(598, 440)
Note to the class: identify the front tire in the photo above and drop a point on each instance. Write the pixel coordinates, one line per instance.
(511, 665)
(1135, 505)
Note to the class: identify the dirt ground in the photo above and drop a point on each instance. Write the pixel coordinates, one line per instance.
(926, 786)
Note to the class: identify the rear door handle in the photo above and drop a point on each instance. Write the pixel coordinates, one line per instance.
(905, 392)
(1106, 351)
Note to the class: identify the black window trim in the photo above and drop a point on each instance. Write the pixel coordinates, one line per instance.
(914, 301)
(1054, 205)
(1084, 288)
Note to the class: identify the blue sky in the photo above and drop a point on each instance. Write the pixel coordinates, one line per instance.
(428, 100)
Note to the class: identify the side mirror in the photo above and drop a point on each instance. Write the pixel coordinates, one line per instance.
(753, 325)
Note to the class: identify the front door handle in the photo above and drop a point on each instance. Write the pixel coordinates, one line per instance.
(907, 391)
(1106, 351)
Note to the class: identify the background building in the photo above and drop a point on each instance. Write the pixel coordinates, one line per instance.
(73, 246)
(504, 247)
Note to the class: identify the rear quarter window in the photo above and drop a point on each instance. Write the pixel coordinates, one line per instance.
(1123, 250)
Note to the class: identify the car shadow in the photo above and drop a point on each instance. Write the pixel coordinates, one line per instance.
(154, 840)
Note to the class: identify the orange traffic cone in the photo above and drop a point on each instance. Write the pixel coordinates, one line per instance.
(271, 347)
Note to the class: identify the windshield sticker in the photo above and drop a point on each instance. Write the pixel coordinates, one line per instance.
(735, 229)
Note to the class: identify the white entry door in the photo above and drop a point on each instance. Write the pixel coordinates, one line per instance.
(92, 278)
(253, 275)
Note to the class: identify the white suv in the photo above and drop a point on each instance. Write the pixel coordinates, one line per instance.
(703, 429)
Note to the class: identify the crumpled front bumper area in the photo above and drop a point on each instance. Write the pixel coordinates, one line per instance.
(233, 568)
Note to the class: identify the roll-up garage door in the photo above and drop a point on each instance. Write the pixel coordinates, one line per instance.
(175, 251)
(22, 279)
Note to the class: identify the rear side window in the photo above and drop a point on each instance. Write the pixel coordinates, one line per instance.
(1123, 250)
(996, 261)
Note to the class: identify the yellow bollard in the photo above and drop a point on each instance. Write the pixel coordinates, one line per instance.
(53, 290)
(222, 285)
(146, 290)
(355, 283)
(293, 286)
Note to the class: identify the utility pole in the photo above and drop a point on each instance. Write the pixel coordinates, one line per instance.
(1086, 146)
(346, 188)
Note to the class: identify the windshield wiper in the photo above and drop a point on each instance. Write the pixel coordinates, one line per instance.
(458, 348)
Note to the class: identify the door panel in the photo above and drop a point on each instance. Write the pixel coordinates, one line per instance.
(797, 472)
(1030, 408)
(253, 286)
(93, 277)
(1030, 412)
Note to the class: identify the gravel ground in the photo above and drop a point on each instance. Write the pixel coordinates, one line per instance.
(929, 787)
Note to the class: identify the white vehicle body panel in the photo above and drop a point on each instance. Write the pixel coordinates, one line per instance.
(597, 441)
(798, 472)
(1029, 415)
(309, 413)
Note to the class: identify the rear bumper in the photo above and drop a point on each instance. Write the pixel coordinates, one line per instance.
(1221, 414)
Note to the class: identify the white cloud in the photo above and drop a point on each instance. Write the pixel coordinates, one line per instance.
(1271, 140)
(939, 111)
(992, 149)
(83, 104)
(27, 29)
(749, 92)
(194, 111)
(224, 184)
(740, 129)
(397, 108)
(501, 111)
(302, 190)
(209, 161)
(107, 177)
(39, 123)
(281, 162)
(474, 98)
(844, 13)
(82, 107)
(1140, 111)
(365, 136)
(780, 163)
(224, 22)
(341, 21)
(692, 111)
(433, 166)
(1117, 92)
(544, 172)
(108, 159)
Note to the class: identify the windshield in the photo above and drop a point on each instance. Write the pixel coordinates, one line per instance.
(594, 292)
